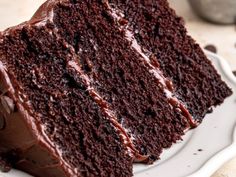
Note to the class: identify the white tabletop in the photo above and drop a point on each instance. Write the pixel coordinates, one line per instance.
(13, 12)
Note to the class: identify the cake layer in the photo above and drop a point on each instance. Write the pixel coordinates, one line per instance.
(160, 32)
(61, 130)
(121, 75)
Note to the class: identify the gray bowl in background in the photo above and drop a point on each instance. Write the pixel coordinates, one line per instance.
(217, 11)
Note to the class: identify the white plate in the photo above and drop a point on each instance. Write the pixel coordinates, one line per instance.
(215, 138)
(203, 150)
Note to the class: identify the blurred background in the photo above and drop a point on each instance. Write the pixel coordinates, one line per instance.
(214, 28)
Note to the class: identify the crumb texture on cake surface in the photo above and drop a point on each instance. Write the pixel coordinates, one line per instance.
(54, 95)
(120, 75)
(159, 30)
(97, 85)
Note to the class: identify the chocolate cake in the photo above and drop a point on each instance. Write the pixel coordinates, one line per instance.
(90, 87)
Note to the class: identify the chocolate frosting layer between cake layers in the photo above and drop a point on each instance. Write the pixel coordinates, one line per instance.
(158, 29)
(45, 15)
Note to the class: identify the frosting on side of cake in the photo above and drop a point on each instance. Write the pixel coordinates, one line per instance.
(42, 16)
(23, 112)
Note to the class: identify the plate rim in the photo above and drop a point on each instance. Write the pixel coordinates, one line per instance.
(229, 152)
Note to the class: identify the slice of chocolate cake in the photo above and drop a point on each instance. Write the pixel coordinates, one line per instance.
(89, 87)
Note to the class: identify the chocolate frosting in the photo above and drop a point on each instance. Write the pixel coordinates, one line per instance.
(20, 133)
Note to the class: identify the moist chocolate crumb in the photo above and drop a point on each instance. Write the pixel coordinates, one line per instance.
(210, 47)
(200, 150)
